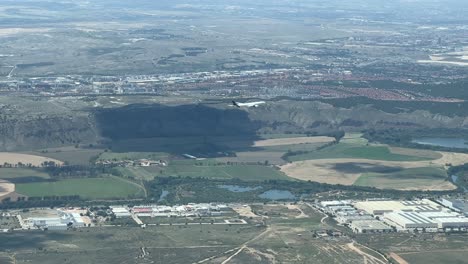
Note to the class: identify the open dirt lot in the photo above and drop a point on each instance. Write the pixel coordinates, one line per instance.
(347, 171)
(292, 141)
(453, 158)
(244, 211)
(14, 158)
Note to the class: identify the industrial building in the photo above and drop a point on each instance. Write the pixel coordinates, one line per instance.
(388, 215)
(347, 218)
(63, 221)
(382, 207)
(409, 221)
(427, 221)
(455, 204)
(189, 210)
(120, 212)
(370, 226)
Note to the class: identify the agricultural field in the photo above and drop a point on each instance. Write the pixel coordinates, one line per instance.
(70, 155)
(273, 149)
(427, 178)
(6, 188)
(412, 175)
(181, 145)
(18, 174)
(355, 161)
(447, 256)
(273, 157)
(15, 158)
(292, 141)
(141, 173)
(132, 156)
(356, 151)
(89, 188)
(420, 248)
(243, 172)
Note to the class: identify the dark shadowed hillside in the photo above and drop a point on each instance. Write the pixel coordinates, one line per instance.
(146, 121)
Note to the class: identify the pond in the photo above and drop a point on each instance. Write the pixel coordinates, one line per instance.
(163, 195)
(443, 142)
(277, 195)
(239, 189)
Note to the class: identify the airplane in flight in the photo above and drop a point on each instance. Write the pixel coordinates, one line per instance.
(251, 104)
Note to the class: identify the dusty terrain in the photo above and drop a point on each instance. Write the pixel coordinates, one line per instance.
(6, 188)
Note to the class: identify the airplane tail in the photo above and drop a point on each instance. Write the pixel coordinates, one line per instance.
(235, 104)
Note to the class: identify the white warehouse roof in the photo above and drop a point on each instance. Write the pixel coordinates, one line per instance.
(409, 220)
(381, 207)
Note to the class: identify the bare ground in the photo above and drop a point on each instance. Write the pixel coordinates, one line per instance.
(6, 188)
(397, 258)
(244, 211)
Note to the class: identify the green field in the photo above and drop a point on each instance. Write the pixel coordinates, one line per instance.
(421, 248)
(209, 169)
(12, 173)
(89, 188)
(355, 151)
(143, 173)
(450, 256)
(181, 145)
(403, 178)
(293, 147)
(188, 168)
(272, 136)
(133, 155)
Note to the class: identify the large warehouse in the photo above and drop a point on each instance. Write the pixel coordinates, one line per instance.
(381, 207)
(369, 226)
(408, 220)
(425, 220)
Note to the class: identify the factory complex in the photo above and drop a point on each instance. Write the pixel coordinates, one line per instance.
(61, 220)
(379, 216)
(71, 218)
(153, 210)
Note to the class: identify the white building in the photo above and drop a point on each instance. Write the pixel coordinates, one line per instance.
(369, 226)
(344, 218)
(61, 222)
(382, 207)
(121, 212)
(409, 221)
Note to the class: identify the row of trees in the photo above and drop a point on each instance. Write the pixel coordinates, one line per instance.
(81, 171)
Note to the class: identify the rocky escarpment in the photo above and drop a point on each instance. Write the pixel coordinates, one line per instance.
(321, 117)
(37, 132)
(23, 128)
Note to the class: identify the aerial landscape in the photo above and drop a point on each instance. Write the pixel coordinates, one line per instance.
(209, 131)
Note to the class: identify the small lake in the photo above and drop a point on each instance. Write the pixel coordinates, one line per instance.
(163, 195)
(239, 189)
(443, 142)
(277, 195)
